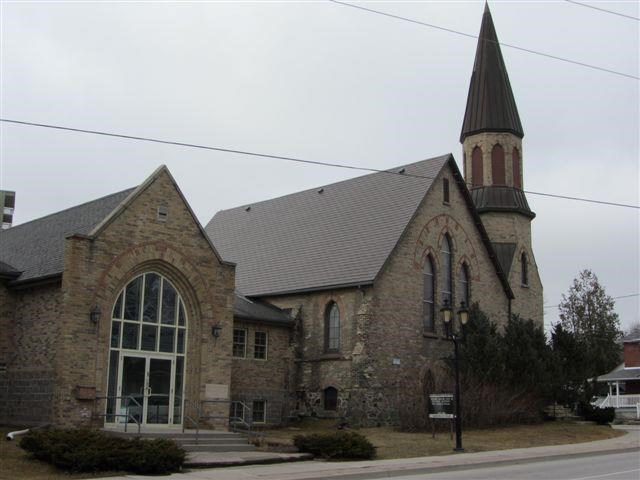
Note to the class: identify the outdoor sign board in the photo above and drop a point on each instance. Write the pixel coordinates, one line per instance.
(441, 405)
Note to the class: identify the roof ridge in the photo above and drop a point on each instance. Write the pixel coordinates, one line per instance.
(388, 170)
(67, 209)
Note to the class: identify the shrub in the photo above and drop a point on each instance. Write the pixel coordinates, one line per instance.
(91, 451)
(601, 416)
(337, 445)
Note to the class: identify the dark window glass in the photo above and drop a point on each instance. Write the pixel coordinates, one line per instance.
(148, 340)
(330, 398)
(115, 334)
(132, 299)
(477, 170)
(112, 386)
(497, 165)
(429, 294)
(260, 346)
(332, 328)
(168, 303)
(167, 335)
(117, 308)
(237, 411)
(130, 335)
(445, 190)
(180, 346)
(446, 270)
(239, 342)
(181, 315)
(151, 297)
(525, 269)
(177, 400)
(259, 411)
(463, 284)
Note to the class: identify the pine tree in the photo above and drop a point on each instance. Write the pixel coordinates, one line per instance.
(588, 313)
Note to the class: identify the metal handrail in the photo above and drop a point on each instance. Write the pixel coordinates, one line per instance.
(127, 416)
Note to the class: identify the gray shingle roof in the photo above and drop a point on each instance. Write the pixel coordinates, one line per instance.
(247, 309)
(36, 248)
(339, 235)
(621, 374)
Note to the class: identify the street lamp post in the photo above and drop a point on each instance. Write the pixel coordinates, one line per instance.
(447, 318)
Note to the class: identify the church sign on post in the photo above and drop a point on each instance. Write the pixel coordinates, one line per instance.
(441, 405)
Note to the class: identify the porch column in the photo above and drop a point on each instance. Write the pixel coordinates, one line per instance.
(617, 394)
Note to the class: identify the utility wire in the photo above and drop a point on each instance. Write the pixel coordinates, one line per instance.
(615, 298)
(464, 34)
(602, 10)
(289, 159)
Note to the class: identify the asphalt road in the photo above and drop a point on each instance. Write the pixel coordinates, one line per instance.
(619, 466)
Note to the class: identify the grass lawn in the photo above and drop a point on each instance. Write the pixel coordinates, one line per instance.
(15, 464)
(392, 443)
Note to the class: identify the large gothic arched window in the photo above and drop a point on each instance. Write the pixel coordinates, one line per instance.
(332, 328)
(477, 170)
(463, 284)
(428, 296)
(147, 353)
(445, 255)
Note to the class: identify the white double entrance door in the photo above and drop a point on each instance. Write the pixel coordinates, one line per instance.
(146, 389)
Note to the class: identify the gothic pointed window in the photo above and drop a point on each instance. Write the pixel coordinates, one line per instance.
(516, 168)
(332, 328)
(476, 167)
(497, 165)
(524, 270)
(445, 254)
(428, 298)
(330, 398)
(463, 284)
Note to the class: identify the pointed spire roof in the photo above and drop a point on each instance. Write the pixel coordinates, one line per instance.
(490, 104)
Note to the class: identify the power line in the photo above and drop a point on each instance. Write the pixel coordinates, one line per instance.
(602, 10)
(280, 157)
(615, 298)
(469, 35)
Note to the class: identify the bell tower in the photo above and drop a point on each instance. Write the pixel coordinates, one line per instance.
(491, 140)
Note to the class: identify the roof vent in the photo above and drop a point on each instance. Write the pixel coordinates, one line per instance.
(163, 213)
(321, 190)
(401, 171)
(247, 208)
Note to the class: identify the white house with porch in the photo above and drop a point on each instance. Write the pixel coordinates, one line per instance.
(624, 383)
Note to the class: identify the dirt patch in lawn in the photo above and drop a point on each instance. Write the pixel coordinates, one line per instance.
(15, 463)
(391, 443)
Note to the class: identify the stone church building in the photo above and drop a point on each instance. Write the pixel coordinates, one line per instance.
(324, 302)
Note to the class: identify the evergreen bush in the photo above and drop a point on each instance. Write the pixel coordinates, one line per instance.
(337, 445)
(91, 451)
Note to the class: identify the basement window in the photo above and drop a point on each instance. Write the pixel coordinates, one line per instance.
(163, 213)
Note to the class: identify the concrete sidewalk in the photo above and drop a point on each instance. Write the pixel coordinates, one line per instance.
(319, 470)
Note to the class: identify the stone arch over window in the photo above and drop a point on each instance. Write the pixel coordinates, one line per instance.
(330, 398)
(515, 158)
(497, 165)
(429, 294)
(147, 350)
(477, 170)
(446, 263)
(332, 328)
(524, 269)
(463, 284)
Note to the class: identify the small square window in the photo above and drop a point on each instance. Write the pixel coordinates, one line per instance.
(259, 411)
(260, 346)
(445, 190)
(239, 343)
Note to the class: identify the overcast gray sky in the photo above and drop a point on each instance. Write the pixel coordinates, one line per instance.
(325, 82)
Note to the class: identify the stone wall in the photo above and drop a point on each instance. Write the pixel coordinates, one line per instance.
(269, 379)
(29, 353)
(315, 369)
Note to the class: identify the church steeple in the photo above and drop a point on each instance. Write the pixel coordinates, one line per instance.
(491, 106)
